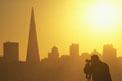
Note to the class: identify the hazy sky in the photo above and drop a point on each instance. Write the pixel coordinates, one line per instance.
(60, 23)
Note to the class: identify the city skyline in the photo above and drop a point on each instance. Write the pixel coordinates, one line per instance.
(66, 67)
(60, 40)
(33, 34)
(60, 24)
(33, 55)
(11, 49)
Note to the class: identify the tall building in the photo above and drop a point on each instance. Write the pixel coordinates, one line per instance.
(109, 52)
(11, 52)
(74, 50)
(54, 55)
(32, 50)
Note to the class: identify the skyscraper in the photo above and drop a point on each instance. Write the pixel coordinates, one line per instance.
(11, 52)
(54, 55)
(109, 52)
(74, 50)
(32, 50)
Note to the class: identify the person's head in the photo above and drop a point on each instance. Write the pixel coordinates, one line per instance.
(94, 59)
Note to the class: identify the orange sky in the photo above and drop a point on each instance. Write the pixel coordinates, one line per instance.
(60, 23)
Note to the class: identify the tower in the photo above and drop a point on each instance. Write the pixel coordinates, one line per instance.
(32, 50)
(109, 53)
(54, 55)
(74, 50)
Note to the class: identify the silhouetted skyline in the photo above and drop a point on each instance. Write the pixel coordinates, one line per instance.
(53, 68)
(33, 52)
(59, 23)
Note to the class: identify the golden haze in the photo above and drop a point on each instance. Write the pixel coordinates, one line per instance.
(61, 23)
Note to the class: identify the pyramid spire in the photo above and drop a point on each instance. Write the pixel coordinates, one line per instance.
(32, 16)
(32, 50)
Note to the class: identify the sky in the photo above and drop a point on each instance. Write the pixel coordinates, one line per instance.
(89, 23)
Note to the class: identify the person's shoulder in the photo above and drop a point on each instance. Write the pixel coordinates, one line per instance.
(105, 64)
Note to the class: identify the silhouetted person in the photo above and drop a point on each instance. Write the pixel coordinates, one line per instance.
(87, 69)
(97, 70)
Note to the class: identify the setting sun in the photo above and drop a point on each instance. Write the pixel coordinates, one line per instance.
(103, 16)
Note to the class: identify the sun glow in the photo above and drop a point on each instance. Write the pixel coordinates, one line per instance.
(102, 16)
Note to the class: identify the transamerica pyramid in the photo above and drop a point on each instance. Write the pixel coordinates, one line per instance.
(32, 50)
